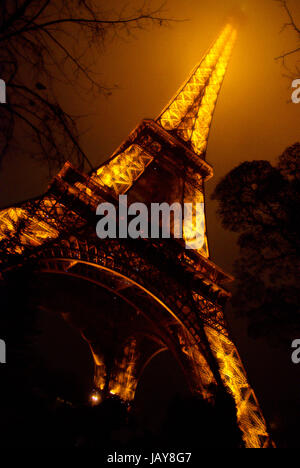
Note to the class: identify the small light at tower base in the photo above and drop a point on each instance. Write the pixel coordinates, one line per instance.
(95, 398)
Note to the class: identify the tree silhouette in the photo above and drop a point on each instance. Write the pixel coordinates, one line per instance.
(44, 43)
(261, 203)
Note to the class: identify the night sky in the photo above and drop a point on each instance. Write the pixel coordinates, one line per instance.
(254, 119)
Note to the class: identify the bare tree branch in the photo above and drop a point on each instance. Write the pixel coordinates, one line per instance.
(286, 54)
(47, 42)
(291, 24)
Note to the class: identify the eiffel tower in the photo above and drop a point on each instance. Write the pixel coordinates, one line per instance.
(165, 296)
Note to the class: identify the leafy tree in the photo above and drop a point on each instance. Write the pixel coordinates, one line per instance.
(261, 203)
(44, 43)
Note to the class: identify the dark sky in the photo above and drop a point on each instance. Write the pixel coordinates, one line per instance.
(253, 120)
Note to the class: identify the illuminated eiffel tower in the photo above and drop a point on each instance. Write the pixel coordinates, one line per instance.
(168, 297)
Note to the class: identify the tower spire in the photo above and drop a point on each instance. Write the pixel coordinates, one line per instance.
(189, 114)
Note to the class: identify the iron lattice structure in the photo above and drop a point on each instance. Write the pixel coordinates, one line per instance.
(175, 296)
